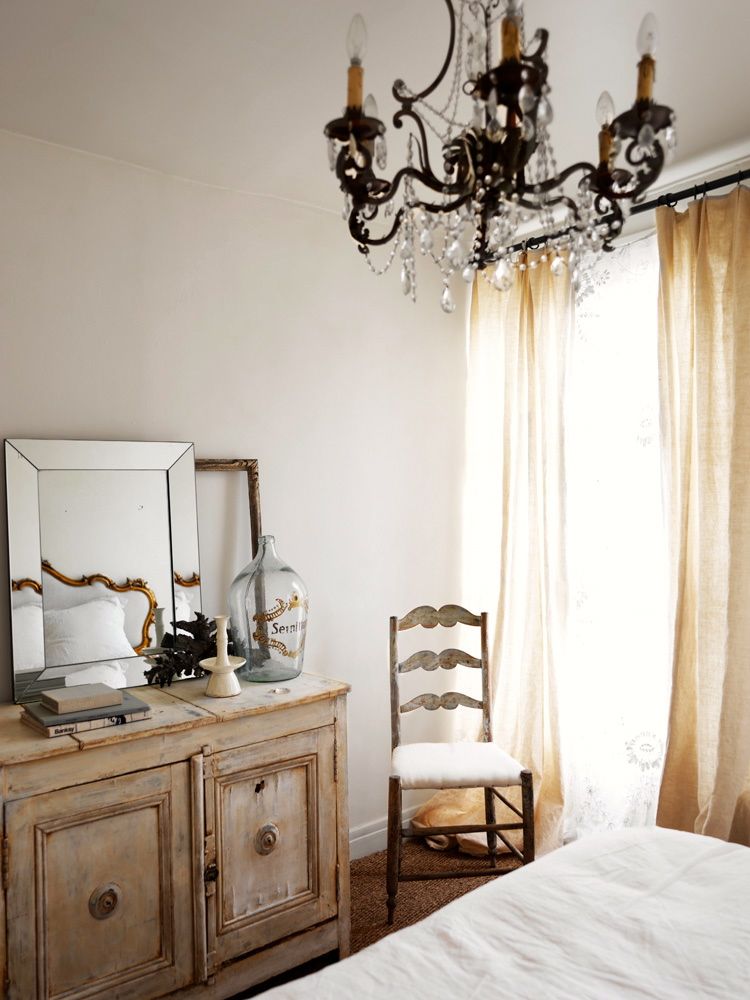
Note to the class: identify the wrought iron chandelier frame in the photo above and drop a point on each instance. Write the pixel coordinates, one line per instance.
(483, 172)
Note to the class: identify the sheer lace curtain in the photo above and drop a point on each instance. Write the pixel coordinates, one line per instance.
(564, 539)
(615, 677)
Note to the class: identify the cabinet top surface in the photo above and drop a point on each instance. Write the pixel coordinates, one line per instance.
(182, 706)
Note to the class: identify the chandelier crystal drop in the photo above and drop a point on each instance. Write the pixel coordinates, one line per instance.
(498, 193)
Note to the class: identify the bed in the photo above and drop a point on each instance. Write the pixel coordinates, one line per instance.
(641, 913)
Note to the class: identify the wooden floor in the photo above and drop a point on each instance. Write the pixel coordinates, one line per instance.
(416, 900)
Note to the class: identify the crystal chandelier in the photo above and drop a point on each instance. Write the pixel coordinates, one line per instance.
(498, 192)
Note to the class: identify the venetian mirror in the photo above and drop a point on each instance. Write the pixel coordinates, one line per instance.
(103, 554)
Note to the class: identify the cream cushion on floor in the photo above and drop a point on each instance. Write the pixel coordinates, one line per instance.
(454, 765)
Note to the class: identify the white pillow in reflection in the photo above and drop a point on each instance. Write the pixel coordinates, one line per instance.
(112, 674)
(91, 631)
(20, 598)
(182, 607)
(28, 638)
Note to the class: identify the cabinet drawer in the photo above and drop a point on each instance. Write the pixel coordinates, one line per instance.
(273, 810)
(99, 899)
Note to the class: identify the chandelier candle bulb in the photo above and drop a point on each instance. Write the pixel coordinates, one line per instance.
(370, 107)
(648, 36)
(605, 109)
(356, 40)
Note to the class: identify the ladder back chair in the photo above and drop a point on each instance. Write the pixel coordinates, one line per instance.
(481, 764)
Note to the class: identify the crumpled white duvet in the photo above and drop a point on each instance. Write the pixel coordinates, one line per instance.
(644, 913)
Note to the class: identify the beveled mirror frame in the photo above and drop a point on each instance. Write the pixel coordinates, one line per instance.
(35, 453)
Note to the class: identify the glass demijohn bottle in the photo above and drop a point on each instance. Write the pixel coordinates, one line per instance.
(268, 605)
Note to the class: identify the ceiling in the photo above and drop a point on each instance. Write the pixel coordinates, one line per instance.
(236, 92)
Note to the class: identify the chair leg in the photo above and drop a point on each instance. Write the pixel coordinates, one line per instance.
(527, 807)
(489, 812)
(394, 844)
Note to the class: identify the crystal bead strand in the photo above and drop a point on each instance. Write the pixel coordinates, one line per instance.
(379, 271)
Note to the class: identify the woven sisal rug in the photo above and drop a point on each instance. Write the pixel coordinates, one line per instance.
(416, 900)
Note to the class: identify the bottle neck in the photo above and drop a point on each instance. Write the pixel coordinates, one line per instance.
(267, 547)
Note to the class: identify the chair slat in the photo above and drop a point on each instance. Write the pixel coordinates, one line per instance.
(449, 700)
(427, 659)
(447, 616)
(459, 872)
(440, 831)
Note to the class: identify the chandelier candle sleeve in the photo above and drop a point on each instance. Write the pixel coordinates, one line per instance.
(605, 113)
(510, 39)
(356, 43)
(646, 43)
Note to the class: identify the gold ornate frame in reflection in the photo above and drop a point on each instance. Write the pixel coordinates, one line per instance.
(190, 581)
(26, 583)
(130, 586)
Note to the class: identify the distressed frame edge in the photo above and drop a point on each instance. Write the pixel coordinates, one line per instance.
(250, 466)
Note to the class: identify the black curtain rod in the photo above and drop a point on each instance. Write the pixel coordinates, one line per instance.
(670, 200)
(696, 190)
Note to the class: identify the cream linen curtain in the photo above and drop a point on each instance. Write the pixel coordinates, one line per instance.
(514, 526)
(704, 359)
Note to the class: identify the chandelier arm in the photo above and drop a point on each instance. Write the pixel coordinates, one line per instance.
(422, 147)
(427, 179)
(647, 166)
(653, 166)
(361, 233)
(398, 86)
(587, 169)
(449, 206)
(424, 156)
(536, 55)
(562, 199)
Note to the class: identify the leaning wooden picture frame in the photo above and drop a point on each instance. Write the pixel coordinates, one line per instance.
(249, 466)
(169, 667)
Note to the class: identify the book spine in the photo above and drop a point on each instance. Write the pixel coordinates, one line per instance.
(87, 725)
(85, 705)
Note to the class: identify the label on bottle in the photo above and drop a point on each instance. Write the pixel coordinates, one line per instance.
(283, 626)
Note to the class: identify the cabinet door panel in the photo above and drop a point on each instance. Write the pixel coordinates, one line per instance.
(275, 821)
(99, 900)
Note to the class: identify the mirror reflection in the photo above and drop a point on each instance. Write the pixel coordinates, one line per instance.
(104, 557)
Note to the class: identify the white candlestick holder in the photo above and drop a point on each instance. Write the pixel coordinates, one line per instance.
(222, 683)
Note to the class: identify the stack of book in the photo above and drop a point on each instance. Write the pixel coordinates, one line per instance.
(81, 708)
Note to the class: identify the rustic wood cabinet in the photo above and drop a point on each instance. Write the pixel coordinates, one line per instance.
(197, 853)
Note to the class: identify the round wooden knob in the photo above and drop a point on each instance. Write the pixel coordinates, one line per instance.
(266, 838)
(103, 901)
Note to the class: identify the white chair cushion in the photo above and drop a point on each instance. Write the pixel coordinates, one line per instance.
(454, 765)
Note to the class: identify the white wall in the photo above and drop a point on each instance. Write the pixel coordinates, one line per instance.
(137, 305)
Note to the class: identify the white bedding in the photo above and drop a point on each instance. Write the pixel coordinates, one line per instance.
(635, 914)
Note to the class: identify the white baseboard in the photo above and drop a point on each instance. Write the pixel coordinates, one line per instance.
(371, 837)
